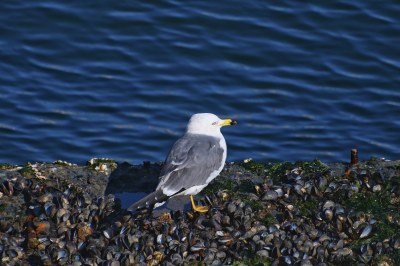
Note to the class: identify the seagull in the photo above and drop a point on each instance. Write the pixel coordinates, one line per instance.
(192, 163)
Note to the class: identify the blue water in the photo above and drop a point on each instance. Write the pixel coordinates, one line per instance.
(120, 79)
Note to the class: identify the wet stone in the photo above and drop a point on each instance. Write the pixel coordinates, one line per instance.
(270, 195)
(231, 208)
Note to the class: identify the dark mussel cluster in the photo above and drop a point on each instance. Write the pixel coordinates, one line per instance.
(62, 224)
(327, 232)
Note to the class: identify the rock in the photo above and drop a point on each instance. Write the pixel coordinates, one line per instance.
(61, 213)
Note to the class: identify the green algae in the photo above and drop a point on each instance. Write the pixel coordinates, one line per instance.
(246, 185)
(267, 219)
(27, 171)
(311, 168)
(230, 185)
(220, 184)
(256, 261)
(267, 170)
(6, 166)
(387, 260)
(396, 257)
(373, 161)
(376, 204)
(255, 167)
(255, 205)
(278, 171)
(306, 207)
(379, 205)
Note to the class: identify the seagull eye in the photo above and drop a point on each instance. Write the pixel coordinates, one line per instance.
(215, 123)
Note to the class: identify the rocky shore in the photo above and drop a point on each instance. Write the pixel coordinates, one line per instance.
(304, 213)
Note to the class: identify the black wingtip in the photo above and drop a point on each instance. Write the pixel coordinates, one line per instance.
(148, 201)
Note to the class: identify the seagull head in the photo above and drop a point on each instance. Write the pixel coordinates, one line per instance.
(208, 124)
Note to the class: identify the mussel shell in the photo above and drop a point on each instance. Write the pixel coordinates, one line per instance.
(366, 231)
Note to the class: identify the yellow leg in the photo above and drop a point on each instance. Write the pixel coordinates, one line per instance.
(198, 208)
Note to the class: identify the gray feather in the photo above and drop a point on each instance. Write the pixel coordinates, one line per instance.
(190, 162)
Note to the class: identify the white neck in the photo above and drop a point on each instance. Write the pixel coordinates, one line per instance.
(209, 131)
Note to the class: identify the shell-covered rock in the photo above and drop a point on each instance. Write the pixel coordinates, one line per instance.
(284, 214)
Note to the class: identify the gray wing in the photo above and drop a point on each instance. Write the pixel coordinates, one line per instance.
(190, 162)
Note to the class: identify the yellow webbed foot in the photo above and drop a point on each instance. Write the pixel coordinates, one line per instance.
(196, 208)
(200, 209)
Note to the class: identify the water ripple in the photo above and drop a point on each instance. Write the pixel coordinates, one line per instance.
(120, 79)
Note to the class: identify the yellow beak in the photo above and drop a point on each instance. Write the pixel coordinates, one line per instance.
(228, 122)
